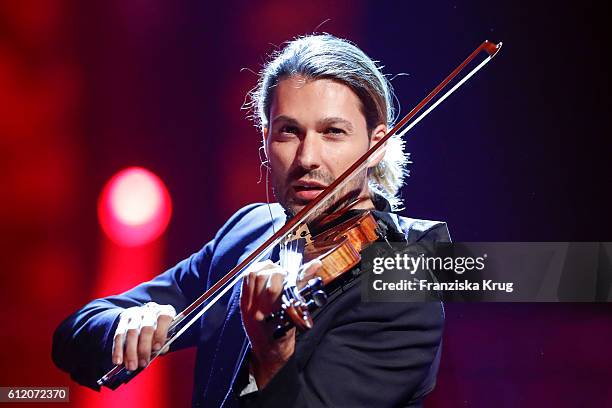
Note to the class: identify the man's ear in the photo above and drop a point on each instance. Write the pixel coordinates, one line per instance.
(378, 133)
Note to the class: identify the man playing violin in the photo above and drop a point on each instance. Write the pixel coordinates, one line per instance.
(321, 103)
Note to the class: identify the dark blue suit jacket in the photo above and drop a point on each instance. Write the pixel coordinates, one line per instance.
(358, 354)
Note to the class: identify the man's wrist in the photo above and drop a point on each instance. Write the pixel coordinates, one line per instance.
(264, 366)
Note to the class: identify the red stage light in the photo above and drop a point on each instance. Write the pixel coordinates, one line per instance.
(134, 207)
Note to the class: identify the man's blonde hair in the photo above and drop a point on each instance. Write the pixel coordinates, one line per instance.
(324, 56)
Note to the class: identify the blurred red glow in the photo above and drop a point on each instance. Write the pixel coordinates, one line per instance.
(134, 207)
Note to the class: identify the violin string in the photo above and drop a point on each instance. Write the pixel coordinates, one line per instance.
(283, 254)
(291, 259)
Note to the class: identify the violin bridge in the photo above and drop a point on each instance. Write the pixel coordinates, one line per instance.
(302, 232)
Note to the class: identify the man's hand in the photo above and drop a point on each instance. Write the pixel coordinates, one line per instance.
(261, 293)
(140, 330)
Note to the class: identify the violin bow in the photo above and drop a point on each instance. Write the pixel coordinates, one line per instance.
(222, 286)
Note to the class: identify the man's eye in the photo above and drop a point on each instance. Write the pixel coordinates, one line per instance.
(335, 131)
(289, 129)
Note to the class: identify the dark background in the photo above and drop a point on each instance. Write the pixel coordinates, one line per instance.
(518, 154)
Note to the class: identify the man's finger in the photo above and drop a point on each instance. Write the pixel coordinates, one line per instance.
(250, 283)
(118, 348)
(260, 266)
(309, 270)
(248, 291)
(159, 338)
(131, 355)
(275, 282)
(144, 345)
(260, 284)
(272, 292)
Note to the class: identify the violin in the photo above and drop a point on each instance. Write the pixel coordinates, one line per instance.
(338, 248)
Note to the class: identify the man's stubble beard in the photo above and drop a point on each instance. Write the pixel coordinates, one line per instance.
(334, 203)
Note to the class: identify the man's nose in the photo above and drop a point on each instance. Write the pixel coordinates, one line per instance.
(309, 152)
